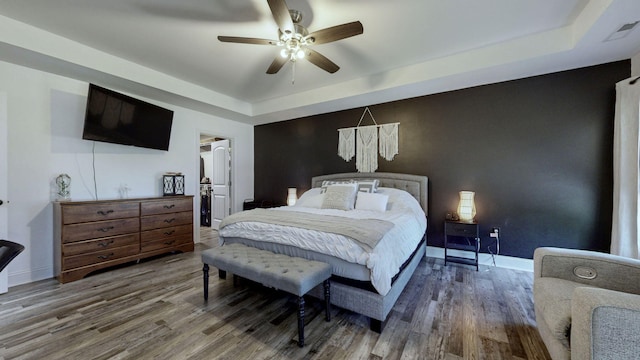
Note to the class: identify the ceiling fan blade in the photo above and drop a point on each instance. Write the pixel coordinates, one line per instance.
(281, 15)
(245, 40)
(321, 61)
(337, 32)
(277, 64)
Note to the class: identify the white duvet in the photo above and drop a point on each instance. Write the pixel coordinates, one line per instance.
(384, 262)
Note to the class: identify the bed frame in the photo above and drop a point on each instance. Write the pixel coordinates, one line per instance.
(364, 302)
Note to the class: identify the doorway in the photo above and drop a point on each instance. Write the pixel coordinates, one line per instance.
(215, 180)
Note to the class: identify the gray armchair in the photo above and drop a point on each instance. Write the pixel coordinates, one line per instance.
(587, 304)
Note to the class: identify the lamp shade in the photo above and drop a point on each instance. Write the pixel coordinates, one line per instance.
(466, 207)
(292, 196)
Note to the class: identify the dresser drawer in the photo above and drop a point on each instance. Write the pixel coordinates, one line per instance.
(78, 213)
(71, 262)
(169, 205)
(166, 243)
(87, 246)
(99, 229)
(166, 233)
(165, 220)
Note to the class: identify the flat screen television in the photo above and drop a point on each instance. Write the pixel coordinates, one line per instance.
(120, 119)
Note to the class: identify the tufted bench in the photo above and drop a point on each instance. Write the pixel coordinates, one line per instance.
(291, 274)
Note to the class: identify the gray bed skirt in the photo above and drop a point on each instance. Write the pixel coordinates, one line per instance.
(368, 303)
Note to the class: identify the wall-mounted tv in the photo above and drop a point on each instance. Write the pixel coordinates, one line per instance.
(120, 119)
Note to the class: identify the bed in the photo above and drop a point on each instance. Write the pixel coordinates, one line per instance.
(373, 262)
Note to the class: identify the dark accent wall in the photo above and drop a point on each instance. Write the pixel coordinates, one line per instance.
(537, 152)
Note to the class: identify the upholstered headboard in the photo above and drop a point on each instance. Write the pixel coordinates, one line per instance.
(415, 185)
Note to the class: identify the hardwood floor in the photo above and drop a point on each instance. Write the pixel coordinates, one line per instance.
(155, 310)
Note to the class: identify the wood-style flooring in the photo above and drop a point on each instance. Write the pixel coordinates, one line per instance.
(155, 310)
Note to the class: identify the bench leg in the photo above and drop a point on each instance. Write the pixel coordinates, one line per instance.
(327, 300)
(205, 278)
(300, 321)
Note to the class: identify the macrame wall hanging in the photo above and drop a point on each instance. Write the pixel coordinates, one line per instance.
(365, 142)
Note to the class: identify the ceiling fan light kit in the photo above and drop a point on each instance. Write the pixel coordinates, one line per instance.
(296, 40)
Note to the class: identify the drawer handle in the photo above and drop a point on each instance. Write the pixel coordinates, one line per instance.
(169, 232)
(105, 229)
(169, 206)
(169, 221)
(105, 213)
(105, 257)
(169, 242)
(105, 243)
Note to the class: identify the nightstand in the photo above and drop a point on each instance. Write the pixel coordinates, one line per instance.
(252, 204)
(471, 242)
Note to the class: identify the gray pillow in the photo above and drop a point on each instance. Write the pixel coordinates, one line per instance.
(327, 183)
(368, 185)
(341, 197)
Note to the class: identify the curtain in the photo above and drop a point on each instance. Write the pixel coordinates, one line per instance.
(625, 231)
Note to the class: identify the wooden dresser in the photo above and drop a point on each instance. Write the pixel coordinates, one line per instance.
(92, 235)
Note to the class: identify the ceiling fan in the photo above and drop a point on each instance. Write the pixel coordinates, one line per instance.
(295, 39)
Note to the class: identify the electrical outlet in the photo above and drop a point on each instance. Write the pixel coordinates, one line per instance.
(495, 232)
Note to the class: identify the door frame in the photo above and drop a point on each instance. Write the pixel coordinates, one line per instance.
(4, 186)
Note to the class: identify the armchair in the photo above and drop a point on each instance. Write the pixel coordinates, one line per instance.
(587, 304)
(8, 251)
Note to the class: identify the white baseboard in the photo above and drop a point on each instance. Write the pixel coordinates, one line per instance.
(502, 261)
(33, 275)
(4, 282)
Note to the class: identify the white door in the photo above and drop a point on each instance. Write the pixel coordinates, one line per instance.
(220, 182)
(3, 183)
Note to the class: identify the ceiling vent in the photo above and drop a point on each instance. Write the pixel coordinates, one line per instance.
(622, 31)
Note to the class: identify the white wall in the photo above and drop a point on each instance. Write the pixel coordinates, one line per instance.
(45, 116)
(635, 65)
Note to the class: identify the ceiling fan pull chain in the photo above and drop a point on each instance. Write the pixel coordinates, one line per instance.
(293, 73)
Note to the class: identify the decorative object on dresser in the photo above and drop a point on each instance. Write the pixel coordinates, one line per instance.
(92, 235)
(172, 184)
(63, 181)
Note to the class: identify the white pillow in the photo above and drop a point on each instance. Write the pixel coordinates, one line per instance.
(307, 195)
(340, 196)
(371, 201)
(313, 201)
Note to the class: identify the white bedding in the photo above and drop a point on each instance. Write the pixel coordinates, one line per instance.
(386, 258)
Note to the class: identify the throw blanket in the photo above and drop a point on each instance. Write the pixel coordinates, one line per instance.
(366, 232)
